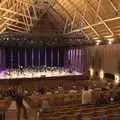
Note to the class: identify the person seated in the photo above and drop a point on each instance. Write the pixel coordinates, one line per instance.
(103, 116)
(41, 91)
(116, 96)
(49, 93)
(103, 99)
(56, 91)
(60, 89)
(73, 90)
(45, 105)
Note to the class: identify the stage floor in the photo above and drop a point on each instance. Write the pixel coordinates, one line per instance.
(33, 74)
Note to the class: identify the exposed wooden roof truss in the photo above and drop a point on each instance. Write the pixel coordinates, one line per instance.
(97, 18)
(94, 18)
(20, 15)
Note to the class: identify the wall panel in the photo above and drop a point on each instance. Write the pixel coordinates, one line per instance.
(106, 57)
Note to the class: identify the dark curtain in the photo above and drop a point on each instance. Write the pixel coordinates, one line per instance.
(76, 59)
(29, 57)
(15, 58)
(61, 57)
(42, 56)
(35, 57)
(22, 56)
(8, 57)
(48, 56)
(2, 58)
(55, 56)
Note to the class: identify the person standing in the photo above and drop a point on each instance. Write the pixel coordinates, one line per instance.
(19, 103)
(85, 96)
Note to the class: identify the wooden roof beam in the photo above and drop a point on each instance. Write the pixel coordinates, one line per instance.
(31, 22)
(2, 16)
(28, 3)
(73, 21)
(13, 20)
(87, 27)
(69, 15)
(86, 21)
(65, 26)
(2, 3)
(25, 19)
(108, 28)
(34, 10)
(7, 20)
(17, 30)
(14, 12)
(98, 8)
(51, 4)
(113, 6)
(3, 29)
(9, 24)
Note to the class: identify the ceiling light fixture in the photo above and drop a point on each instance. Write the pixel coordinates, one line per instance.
(98, 42)
(110, 41)
(96, 38)
(108, 36)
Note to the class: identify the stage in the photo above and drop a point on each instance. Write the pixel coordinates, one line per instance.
(30, 73)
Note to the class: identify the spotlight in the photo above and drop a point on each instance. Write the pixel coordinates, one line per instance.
(117, 79)
(96, 38)
(109, 42)
(101, 74)
(108, 36)
(91, 72)
(98, 42)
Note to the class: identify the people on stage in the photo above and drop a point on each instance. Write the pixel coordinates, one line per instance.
(41, 71)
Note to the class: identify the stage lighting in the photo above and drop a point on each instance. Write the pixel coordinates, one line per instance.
(91, 72)
(109, 42)
(101, 74)
(98, 42)
(117, 79)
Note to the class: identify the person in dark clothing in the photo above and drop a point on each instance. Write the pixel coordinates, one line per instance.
(19, 103)
(21, 69)
(41, 91)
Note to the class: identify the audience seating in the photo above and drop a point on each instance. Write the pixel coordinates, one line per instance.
(67, 106)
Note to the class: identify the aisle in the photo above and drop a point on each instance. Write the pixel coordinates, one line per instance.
(11, 114)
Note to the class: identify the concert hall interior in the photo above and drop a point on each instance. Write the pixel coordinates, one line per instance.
(59, 60)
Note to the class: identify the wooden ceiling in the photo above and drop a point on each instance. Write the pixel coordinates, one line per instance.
(20, 15)
(95, 18)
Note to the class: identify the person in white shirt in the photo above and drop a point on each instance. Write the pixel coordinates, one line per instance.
(86, 96)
